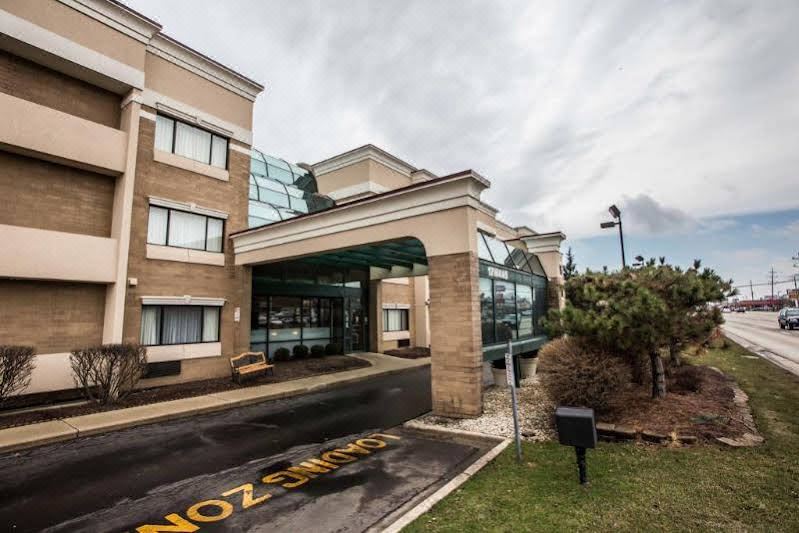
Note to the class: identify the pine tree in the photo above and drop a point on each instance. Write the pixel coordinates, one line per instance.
(637, 313)
(570, 268)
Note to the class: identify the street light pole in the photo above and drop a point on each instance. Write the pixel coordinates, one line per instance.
(621, 240)
(616, 213)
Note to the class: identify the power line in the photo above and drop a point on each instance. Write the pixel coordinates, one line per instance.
(766, 284)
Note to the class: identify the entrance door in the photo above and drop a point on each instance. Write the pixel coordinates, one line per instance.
(354, 324)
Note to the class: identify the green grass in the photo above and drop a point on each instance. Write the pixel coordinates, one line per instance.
(646, 488)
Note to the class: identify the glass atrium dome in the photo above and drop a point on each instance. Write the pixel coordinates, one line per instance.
(280, 190)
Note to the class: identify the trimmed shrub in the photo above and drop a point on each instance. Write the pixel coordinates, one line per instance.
(107, 373)
(300, 351)
(317, 350)
(333, 348)
(16, 366)
(577, 376)
(282, 355)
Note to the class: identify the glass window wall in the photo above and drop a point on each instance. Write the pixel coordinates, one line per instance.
(284, 190)
(505, 310)
(487, 310)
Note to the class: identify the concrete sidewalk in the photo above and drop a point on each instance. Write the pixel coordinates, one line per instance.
(22, 437)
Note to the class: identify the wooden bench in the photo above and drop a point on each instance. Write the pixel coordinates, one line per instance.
(249, 364)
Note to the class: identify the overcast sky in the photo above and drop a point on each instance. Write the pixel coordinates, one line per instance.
(684, 113)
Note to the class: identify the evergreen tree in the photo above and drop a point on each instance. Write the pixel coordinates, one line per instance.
(570, 268)
(637, 313)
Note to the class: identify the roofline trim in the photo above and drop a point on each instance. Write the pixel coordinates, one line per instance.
(363, 153)
(183, 56)
(117, 16)
(145, 30)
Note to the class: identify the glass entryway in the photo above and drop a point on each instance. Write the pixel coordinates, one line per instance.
(286, 321)
(296, 303)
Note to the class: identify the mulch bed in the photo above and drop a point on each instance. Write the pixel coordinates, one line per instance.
(414, 352)
(707, 412)
(284, 371)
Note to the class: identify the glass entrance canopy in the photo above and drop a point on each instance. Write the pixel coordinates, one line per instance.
(280, 190)
(513, 298)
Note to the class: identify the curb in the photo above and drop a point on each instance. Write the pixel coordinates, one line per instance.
(424, 506)
(19, 438)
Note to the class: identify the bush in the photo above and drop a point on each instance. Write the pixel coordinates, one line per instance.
(317, 350)
(16, 366)
(300, 351)
(333, 348)
(575, 375)
(107, 373)
(687, 378)
(282, 354)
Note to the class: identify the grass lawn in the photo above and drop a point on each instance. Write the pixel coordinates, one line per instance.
(637, 487)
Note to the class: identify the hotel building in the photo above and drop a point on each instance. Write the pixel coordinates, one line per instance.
(133, 207)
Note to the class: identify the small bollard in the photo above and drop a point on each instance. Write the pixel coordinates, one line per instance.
(577, 427)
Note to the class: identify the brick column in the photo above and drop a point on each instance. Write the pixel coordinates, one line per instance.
(455, 338)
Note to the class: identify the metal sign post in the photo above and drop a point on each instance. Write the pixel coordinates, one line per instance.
(511, 377)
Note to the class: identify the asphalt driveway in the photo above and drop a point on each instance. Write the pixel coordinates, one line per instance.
(322, 462)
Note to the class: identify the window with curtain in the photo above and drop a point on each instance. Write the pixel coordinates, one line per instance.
(181, 229)
(179, 324)
(395, 320)
(190, 141)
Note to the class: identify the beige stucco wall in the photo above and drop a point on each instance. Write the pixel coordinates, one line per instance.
(184, 86)
(343, 177)
(67, 22)
(32, 128)
(56, 255)
(387, 177)
(383, 177)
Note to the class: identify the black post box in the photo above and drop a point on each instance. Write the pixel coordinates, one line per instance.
(577, 427)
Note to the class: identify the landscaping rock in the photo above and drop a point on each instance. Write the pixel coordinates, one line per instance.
(625, 432)
(746, 440)
(651, 436)
(604, 427)
(688, 439)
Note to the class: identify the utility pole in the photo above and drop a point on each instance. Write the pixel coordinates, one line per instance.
(772, 285)
(751, 291)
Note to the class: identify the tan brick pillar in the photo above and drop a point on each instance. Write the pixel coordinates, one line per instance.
(455, 338)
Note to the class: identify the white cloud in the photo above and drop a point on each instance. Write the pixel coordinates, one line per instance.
(566, 106)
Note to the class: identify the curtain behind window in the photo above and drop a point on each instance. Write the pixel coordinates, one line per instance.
(211, 324)
(192, 143)
(214, 235)
(219, 152)
(395, 320)
(187, 230)
(156, 226)
(150, 322)
(182, 324)
(164, 129)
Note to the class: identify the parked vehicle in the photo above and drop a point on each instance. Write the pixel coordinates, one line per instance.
(789, 318)
(740, 310)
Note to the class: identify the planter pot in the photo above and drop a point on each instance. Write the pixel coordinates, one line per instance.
(500, 378)
(529, 366)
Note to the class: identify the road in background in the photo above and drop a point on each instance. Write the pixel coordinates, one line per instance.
(759, 332)
(121, 480)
